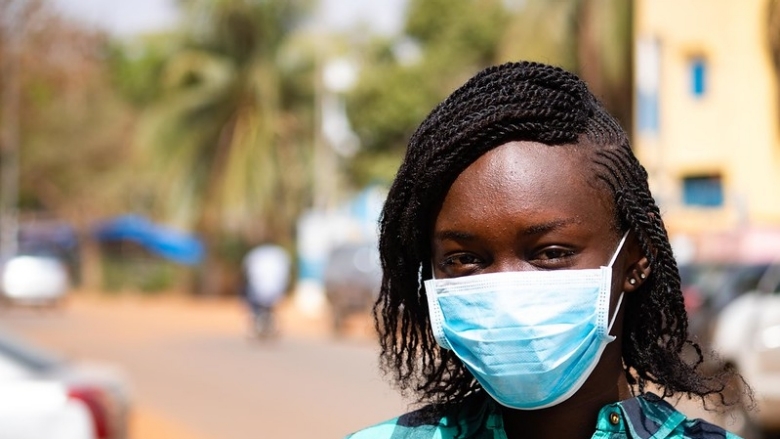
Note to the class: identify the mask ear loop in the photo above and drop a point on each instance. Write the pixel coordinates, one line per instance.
(619, 247)
(614, 316)
(620, 299)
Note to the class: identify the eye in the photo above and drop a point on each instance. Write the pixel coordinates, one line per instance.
(553, 257)
(460, 264)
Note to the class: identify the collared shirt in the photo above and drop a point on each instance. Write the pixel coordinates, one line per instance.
(643, 417)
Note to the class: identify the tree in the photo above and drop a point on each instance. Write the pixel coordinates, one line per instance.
(592, 38)
(223, 138)
(402, 79)
(773, 38)
(72, 128)
(605, 53)
(73, 125)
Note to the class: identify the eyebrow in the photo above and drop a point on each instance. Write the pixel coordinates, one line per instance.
(453, 235)
(537, 229)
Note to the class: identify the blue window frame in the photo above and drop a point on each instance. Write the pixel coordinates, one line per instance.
(703, 191)
(698, 76)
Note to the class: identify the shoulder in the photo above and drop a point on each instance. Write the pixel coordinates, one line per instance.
(648, 416)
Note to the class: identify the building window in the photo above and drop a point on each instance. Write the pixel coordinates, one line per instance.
(698, 71)
(647, 112)
(703, 191)
(648, 73)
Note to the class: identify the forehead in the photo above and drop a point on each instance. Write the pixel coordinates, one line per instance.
(530, 180)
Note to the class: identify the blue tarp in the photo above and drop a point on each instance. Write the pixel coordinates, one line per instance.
(164, 241)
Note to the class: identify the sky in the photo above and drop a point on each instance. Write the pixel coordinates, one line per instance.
(383, 16)
(122, 17)
(126, 18)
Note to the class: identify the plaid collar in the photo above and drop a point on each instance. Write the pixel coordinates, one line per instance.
(643, 417)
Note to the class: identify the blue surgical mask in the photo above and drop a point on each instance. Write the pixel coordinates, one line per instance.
(530, 338)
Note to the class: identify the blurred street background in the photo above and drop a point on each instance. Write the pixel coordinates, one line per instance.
(149, 147)
(196, 373)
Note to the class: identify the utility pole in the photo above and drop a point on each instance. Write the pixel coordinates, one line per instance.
(323, 163)
(11, 28)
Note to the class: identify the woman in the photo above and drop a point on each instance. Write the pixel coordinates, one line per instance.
(529, 287)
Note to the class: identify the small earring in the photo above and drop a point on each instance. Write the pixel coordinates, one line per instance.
(632, 281)
(642, 276)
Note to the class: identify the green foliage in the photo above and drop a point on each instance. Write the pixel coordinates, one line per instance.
(604, 53)
(395, 93)
(590, 37)
(542, 31)
(73, 154)
(223, 110)
(470, 28)
(456, 39)
(229, 131)
(242, 29)
(388, 103)
(136, 65)
(136, 270)
(379, 167)
(772, 34)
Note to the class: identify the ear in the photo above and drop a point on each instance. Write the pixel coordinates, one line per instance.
(637, 267)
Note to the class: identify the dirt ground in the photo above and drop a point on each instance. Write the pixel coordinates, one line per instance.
(168, 315)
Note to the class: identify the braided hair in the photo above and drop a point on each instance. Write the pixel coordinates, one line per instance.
(523, 101)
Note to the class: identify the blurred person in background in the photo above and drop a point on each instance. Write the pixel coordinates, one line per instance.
(266, 270)
(529, 286)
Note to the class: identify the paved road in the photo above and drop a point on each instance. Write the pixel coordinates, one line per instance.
(196, 375)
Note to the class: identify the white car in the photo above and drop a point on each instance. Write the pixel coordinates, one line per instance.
(31, 409)
(57, 394)
(34, 280)
(747, 335)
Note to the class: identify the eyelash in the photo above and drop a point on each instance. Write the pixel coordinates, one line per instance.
(558, 254)
(453, 260)
(548, 257)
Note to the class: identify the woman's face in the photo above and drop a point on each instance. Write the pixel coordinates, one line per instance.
(528, 206)
(524, 206)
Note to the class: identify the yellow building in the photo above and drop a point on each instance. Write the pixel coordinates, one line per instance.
(707, 125)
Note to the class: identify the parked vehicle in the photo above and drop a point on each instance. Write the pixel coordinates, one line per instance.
(353, 277)
(708, 287)
(33, 409)
(34, 279)
(747, 335)
(101, 389)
